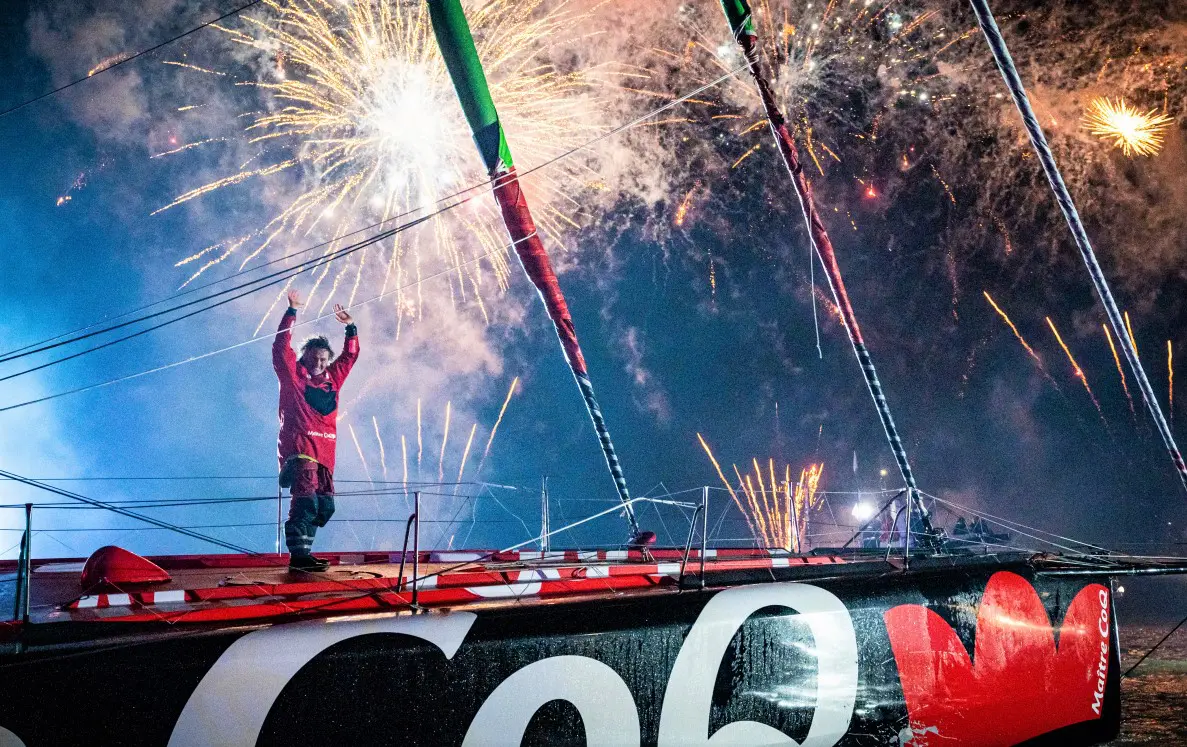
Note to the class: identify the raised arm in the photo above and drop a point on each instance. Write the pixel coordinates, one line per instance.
(341, 366)
(284, 360)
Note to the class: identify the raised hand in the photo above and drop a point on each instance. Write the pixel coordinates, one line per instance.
(342, 315)
(295, 301)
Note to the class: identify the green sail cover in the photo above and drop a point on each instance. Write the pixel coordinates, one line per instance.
(737, 12)
(461, 58)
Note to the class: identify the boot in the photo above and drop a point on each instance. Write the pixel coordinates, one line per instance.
(307, 563)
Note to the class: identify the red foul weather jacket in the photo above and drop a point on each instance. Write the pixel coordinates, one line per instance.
(308, 404)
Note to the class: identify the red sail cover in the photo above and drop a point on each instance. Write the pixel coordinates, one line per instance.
(114, 566)
(534, 259)
(1019, 684)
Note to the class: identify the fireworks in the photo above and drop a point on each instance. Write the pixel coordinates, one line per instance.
(1134, 132)
(1129, 330)
(834, 63)
(1029, 350)
(685, 204)
(382, 451)
(364, 112)
(444, 441)
(107, 62)
(359, 449)
(465, 457)
(1120, 370)
(1076, 370)
(495, 428)
(1170, 378)
(776, 510)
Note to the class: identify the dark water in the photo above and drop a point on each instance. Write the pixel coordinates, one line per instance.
(1154, 697)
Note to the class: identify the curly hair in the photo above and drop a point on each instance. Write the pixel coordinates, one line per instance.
(319, 342)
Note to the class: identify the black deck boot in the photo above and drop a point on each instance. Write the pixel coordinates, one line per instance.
(307, 563)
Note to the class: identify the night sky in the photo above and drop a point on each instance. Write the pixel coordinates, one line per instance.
(930, 201)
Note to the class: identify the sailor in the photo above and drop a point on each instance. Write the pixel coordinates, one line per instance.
(309, 389)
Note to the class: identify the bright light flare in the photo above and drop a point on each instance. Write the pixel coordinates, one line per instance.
(864, 510)
(1133, 131)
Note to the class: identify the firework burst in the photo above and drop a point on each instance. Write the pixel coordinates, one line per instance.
(776, 509)
(823, 58)
(1135, 132)
(360, 107)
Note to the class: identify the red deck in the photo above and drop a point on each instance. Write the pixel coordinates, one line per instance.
(218, 588)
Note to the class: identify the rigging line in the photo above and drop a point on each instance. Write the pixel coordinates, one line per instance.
(493, 182)
(211, 353)
(292, 274)
(1156, 645)
(139, 54)
(1015, 525)
(280, 276)
(546, 163)
(1013, 80)
(156, 522)
(812, 279)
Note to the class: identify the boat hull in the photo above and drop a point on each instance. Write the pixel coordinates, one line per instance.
(987, 654)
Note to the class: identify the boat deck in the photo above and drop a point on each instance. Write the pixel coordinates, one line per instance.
(224, 588)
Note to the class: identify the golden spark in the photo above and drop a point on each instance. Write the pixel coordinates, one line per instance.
(363, 113)
(1133, 131)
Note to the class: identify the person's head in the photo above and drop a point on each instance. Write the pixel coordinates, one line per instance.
(316, 355)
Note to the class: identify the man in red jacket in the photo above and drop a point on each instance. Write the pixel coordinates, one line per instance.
(309, 390)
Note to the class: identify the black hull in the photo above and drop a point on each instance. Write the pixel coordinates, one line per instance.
(812, 661)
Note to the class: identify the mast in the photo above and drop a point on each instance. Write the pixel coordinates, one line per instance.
(1005, 65)
(738, 14)
(469, 81)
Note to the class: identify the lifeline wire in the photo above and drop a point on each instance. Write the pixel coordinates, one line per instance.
(1005, 65)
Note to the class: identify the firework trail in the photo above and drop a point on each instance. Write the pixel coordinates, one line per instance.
(1134, 132)
(404, 457)
(1076, 370)
(775, 512)
(382, 453)
(465, 456)
(1170, 379)
(1129, 328)
(359, 449)
(495, 429)
(685, 204)
(1029, 350)
(1120, 369)
(444, 441)
(782, 511)
(419, 439)
(728, 486)
(108, 62)
(360, 112)
(755, 510)
(806, 498)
